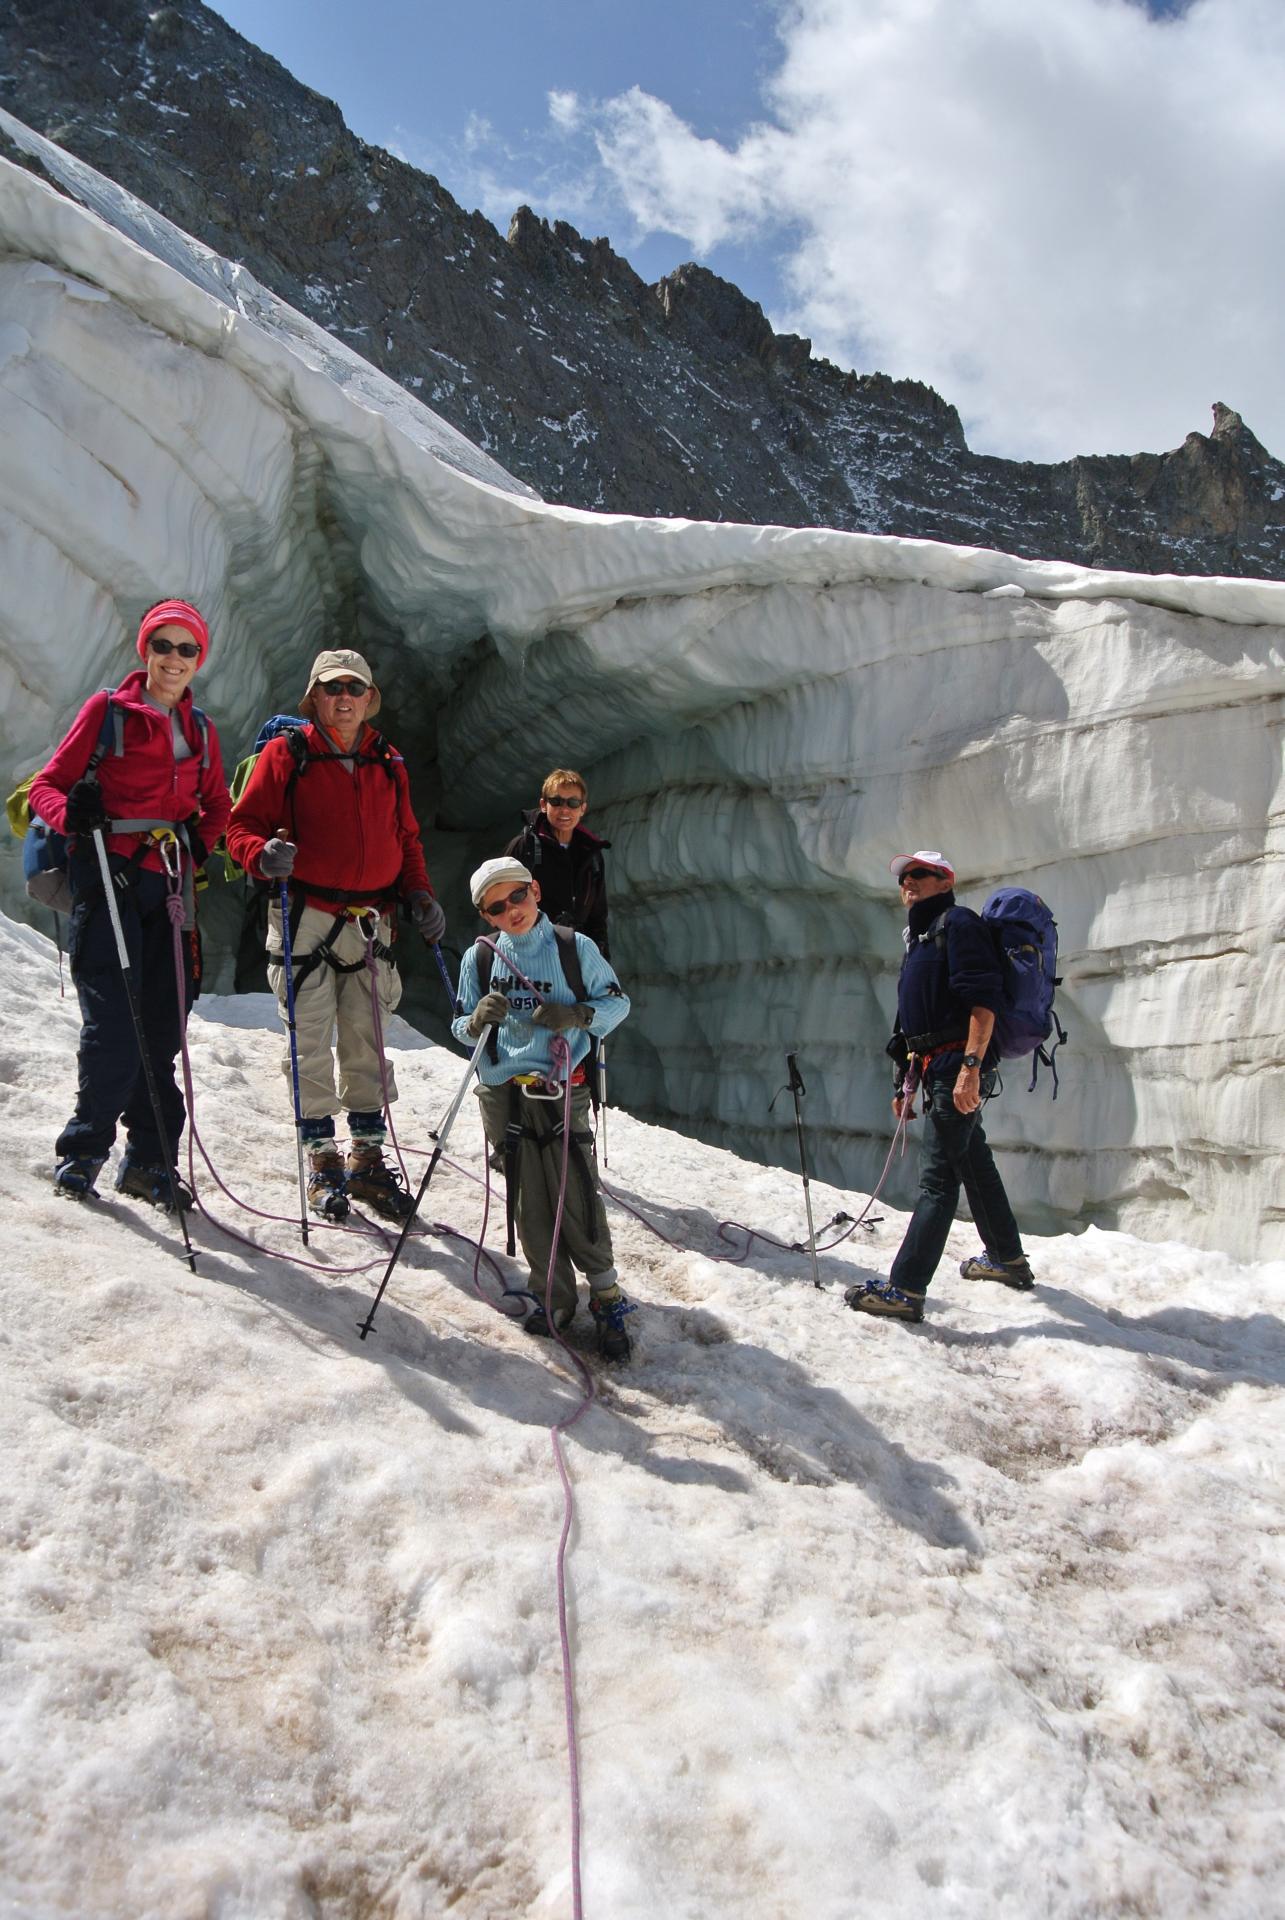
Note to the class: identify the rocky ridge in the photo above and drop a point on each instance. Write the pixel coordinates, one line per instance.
(549, 351)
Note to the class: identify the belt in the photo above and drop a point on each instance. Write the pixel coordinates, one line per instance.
(578, 1078)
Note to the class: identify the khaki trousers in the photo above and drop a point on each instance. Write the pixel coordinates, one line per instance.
(585, 1239)
(333, 1015)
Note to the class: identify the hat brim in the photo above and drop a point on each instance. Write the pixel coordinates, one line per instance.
(898, 866)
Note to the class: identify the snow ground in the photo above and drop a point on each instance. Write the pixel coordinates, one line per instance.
(978, 1618)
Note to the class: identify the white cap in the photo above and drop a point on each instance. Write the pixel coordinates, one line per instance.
(922, 859)
(492, 873)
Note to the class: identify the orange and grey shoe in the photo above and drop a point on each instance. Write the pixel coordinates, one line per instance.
(889, 1302)
(1010, 1273)
(327, 1183)
(373, 1184)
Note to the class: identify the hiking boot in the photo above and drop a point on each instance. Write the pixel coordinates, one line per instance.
(881, 1297)
(537, 1322)
(372, 1184)
(152, 1184)
(609, 1309)
(74, 1179)
(1010, 1273)
(327, 1184)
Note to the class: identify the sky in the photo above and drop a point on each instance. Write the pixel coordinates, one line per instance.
(1067, 217)
(978, 1618)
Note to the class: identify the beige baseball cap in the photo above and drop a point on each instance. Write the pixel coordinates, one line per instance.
(340, 663)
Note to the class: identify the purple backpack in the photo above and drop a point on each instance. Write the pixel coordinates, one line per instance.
(1025, 936)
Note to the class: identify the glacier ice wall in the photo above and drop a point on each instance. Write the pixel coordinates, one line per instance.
(765, 716)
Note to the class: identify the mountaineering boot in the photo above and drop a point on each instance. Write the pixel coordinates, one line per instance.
(152, 1184)
(609, 1308)
(881, 1297)
(537, 1321)
(327, 1185)
(1010, 1273)
(374, 1185)
(74, 1179)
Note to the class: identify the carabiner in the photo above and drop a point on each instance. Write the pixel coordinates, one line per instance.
(170, 848)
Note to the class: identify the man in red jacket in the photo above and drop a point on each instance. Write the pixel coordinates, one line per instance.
(340, 830)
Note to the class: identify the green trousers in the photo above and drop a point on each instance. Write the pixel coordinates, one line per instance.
(585, 1239)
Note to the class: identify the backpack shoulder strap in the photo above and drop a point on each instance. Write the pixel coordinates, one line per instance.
(203, 723)
(569, 955)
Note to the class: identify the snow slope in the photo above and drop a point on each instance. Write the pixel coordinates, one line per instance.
(979, 1618)
(764, 715)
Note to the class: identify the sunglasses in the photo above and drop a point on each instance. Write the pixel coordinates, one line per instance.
(353, 688)
(514, 899)
(186, 649)
(922, 873)
(564, 800)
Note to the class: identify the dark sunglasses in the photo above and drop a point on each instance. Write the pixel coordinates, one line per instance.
(514, 899)
(186, 649)
(563, 800)
(923, 873)
(354, 688)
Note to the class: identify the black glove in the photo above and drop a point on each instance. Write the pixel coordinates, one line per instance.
(491, 1011)
(430, 921)
(556, 1018)
(85, 809)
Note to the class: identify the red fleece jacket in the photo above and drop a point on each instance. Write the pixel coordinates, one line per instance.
(356, 831)
(146, 782)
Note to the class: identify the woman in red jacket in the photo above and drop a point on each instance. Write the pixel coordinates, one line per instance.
(336, 823)
(137, 759)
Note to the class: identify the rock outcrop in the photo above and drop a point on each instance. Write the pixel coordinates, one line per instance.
(549, 352)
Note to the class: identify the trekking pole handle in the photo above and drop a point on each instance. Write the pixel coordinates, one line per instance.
(795, 1081)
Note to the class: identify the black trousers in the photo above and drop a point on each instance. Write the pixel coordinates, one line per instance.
(111, 1085)
(954, 1153)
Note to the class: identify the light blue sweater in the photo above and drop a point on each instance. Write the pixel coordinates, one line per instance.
(522, 1047)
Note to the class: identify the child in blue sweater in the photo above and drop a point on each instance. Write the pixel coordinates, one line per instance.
(513, 1068)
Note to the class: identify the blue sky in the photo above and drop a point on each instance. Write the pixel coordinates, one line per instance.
(1066, 215)
(422, 78)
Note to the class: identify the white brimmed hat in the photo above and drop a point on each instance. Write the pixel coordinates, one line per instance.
(492, 873)
(922, 859)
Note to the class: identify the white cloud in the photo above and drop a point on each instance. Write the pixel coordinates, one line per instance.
(1067, 216)
(564, 110)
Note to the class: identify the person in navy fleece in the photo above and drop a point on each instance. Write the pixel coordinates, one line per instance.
(514, 1069)
(948, 992)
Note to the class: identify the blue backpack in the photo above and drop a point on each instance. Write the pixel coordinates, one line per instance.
(1025, 936)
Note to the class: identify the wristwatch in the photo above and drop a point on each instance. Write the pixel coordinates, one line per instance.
(970, 1060)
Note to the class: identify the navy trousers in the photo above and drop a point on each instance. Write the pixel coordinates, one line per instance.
(111, 1084)
(953, 1153)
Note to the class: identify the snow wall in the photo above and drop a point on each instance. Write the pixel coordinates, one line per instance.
(765, 716)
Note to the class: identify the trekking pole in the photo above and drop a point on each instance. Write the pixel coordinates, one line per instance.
(287, 958)
(602, 1097)
(797, 1088)
(445, 972)
(162, 1132)
(440, 1137)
